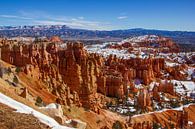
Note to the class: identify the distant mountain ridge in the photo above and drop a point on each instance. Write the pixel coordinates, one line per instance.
(34, 27)
(68, 33)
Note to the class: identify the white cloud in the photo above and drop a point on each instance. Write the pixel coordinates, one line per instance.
(15, 17)
(75, 23)
(78, 22)
(122, 17)
(33, 14)
(48, 22)
(42, 18)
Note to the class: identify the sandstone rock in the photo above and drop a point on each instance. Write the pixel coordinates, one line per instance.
(78, 124)
(55, 111)
(144, 99)
(24, 94)
(75, 76)
(55, 39)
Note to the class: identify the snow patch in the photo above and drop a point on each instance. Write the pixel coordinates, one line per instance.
(170, 64)
(21, 108)
(184, 87)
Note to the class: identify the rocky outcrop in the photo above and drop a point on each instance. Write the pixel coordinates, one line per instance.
(144, 100)
(167, 118)
(71, 73)
(75, 76)
(55, 111)
(114, 86)
(78, 124)
(79, 71)
(55, 39)
(24, 93)
(166, 87)
(175, 72)
(145, 69)
(156, 95)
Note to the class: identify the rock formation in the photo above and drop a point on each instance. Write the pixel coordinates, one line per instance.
(144, 100)
(72, 66)
(75, 76)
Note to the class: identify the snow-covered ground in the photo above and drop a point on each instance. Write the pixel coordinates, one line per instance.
(142, 38)
(181, 87)
(170, 64)
(172, 58)
(102, 49)
(184, 87)
(179, 58)
(123, 109)
(21, 108)
(190, 72)
(152, 84)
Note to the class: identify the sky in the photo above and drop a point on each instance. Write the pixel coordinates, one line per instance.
(101, 14)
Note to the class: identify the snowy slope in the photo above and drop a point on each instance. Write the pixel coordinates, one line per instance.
(102, 49)
(184, 87)
(142, 38)
(21, 108)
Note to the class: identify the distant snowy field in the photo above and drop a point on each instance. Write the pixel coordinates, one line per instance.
(102, 49)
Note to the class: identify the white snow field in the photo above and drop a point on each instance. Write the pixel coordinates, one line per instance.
(184, 87)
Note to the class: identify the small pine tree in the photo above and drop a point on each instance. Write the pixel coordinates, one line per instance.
(172, 126)
(109, 104)
(117, 125)
(17, 69)
(156, 125)
(15, 80)
(39, 102)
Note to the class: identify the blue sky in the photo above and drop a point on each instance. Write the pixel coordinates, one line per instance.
(101, 14)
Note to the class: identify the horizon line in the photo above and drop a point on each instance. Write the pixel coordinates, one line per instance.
(100, 29)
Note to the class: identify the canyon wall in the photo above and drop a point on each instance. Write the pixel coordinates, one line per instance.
(76, 76)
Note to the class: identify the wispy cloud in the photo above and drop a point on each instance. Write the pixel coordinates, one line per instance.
(42, 18)
(46, 22)
(15, 17)
(122, 17)
(75, 23)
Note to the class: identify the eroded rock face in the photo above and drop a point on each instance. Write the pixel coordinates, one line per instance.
(75, 76)
(179, 118)
(79, 71)
(144, 100)
(145, 69)
(158, 44)
(166, 87)
(114, 86)
(71, 73)
(55, 39)
(175, 72)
